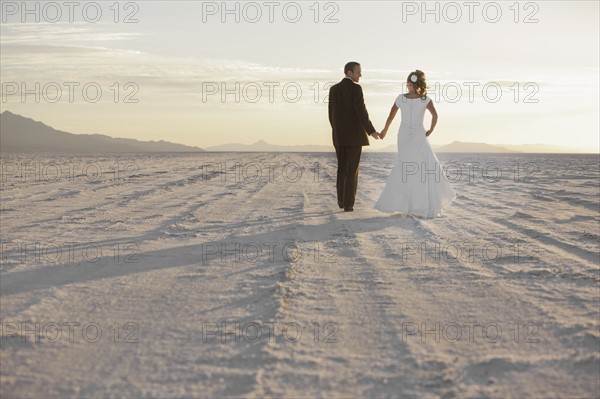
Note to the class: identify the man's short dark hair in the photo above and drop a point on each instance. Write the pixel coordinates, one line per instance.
(350, 67)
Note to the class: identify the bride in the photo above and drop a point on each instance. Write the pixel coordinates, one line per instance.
(417, 183)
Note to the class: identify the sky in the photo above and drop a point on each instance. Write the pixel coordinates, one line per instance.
(206, 73)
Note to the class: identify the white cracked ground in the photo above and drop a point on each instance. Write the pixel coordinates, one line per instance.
(498, 298)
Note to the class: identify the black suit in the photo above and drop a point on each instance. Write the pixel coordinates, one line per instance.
(350, 124)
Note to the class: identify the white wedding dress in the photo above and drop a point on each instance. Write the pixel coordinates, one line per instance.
(417, 184)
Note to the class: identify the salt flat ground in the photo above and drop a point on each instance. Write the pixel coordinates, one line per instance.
(222, 274)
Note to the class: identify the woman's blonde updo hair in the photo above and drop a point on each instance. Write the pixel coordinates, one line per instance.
(419, 81)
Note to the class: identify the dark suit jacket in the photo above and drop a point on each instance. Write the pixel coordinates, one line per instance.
(348, 115)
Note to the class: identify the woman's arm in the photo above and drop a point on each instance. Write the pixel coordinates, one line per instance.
(434, 118)
(390, 118)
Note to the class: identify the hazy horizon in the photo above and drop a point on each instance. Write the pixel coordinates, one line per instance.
(171, 63)
(263, 146)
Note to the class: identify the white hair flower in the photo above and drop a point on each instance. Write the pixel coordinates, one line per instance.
(413, 78)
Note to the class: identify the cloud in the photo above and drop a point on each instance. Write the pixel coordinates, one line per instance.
(51, 34)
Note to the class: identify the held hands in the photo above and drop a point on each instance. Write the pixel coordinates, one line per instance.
(379, 136)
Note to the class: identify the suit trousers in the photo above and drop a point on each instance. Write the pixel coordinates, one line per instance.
(347, 174)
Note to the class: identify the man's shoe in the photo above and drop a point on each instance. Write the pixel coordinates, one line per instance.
(348, 209)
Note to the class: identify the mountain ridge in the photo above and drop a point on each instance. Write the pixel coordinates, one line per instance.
(23, 134)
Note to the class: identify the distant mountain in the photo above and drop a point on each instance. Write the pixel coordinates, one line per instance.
(544, 148)
(263, 146)
(21, 134)
(456, 146)
(459, 146)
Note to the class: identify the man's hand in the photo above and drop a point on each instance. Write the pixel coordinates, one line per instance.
(376, 135)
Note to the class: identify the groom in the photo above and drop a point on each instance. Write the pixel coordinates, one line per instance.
(350, 124)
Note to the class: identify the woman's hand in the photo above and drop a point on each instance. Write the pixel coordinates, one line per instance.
(427, 133)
